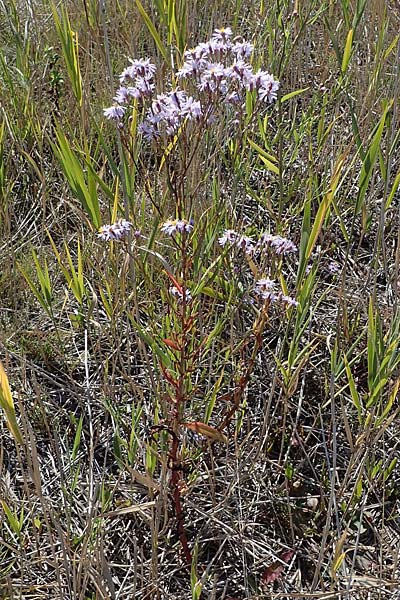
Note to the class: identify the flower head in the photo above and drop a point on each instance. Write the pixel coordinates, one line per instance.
(288, 300)
(279, 244)
(115, 112)
(242, 49)
(233, 238)
(168, 112)
(265, 288)
(173, 226)
(178, 293)
(138, 68)
(114, 232)
(222, 34)
(268, 89)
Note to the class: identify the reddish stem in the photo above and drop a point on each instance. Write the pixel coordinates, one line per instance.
(176, 478)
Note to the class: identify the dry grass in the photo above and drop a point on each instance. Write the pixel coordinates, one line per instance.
(88, 507)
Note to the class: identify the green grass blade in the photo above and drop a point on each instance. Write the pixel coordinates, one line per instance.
(73, 171)
(369, 160)
(154, 33)
(347, 52)
(70, 50)
(323, 207)
(266, 158)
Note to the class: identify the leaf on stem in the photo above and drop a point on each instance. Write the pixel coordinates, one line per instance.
(7, 404)
(275, 570)
(206, 430)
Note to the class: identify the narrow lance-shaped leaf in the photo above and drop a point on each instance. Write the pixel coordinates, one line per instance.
(210, 432)
(69, 45)
(290, 95)
(43, 295)
(73, 171)
(323, 207)
(347, 51)
(353, 389)
(154, 33)
(7, 404)
(369, 161)
(266, 158)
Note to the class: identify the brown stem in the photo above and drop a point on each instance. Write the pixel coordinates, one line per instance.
(176, 478)
(245, 378)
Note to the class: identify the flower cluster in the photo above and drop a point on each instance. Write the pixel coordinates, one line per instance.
(237, 240)
(168, 112)
(114, 232)
(266, 289)
(280, 245)
(136, 82)
(173, 226)
(218, 68)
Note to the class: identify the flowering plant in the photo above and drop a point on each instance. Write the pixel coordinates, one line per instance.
(215, 89)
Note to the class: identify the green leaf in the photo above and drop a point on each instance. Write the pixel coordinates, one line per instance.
(153, 31)
(152, 343)
(353, 390)
(195, 583)
(44, 299)
(347, 51)
(323, 207)
(44, 280)
(393, 191)
(266, 158)
(14, 523)
(77, 439)
(70, 47)
(369, 160)
(85, 191)
(287, 97)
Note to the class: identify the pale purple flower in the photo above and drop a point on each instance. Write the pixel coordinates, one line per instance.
(197, 53)
(288, 300)
(115, 112)
(213, 47)
(279, 244)
(173, 226)
(192, 108)
(222, 34)
(124, 94)
(242, 49)
(265, 285)
(245, 243)
(269, 89)
(235, 99)
(168, 112)
(333, 267)
(229, 237)
(265, 84)
(265, 288)
(178, 293)
(142, 89)
(148, 130)
(219, 69)
(191, 67)
(114, 232)
(138, 68)
(214, 71)
(232, 238)
(242, 71)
